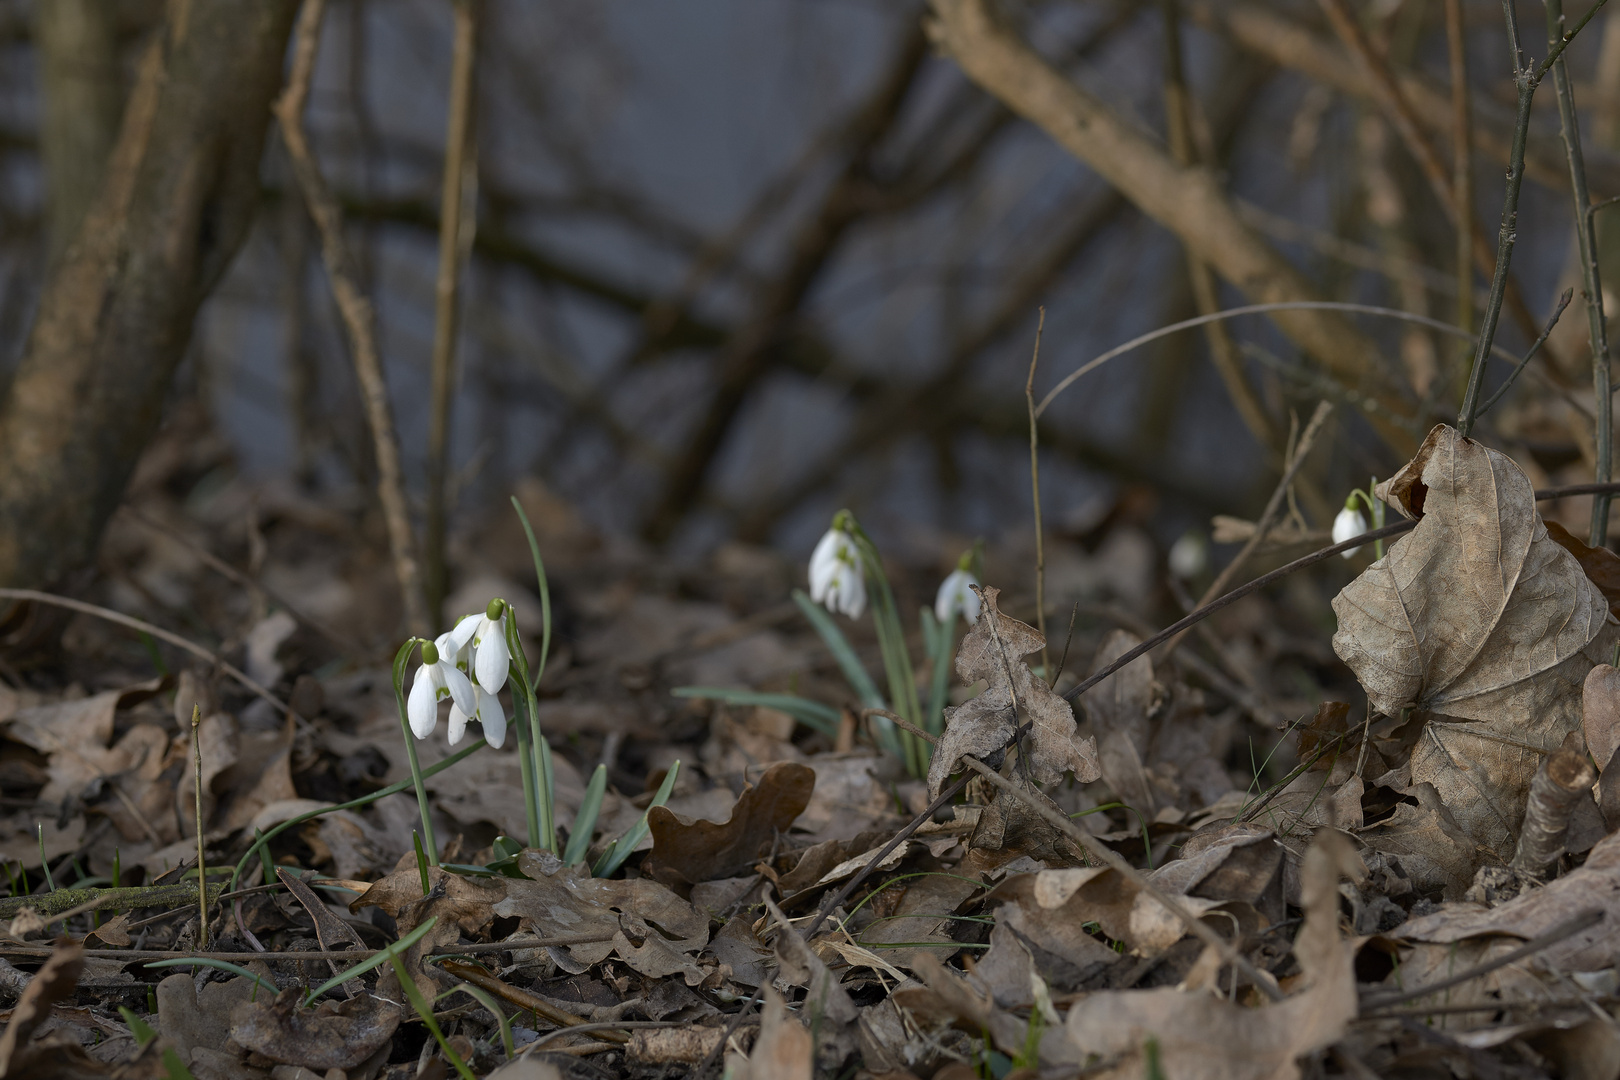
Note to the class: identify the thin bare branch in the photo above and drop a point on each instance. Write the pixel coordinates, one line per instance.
(358, 317)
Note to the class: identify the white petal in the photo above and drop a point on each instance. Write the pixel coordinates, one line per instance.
(1347, 525)
(945, 600)
(851, 593)
(465, 630)
(493, 717)
(492, 659)
(461, 689)
(823, 566)
(458, 724)
(422, 707)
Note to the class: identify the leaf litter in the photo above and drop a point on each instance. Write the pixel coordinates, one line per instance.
(1353, 861)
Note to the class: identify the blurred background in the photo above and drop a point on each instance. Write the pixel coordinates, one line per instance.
(727, 267)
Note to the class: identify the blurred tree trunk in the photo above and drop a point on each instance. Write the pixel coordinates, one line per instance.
(83, 97)
(116, 315)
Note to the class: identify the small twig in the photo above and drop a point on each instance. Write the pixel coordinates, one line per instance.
(202, 870)
(1260, 309)
(1068, 639)
(10, 948)
(1192, 618)
(1299, 770)
(1462, 168)
(1568, 928)
(1591, 280)
(1562, 779)
(145, 627)
(451, 224)
(1530, 354)
(1268, 517)
(604, 1025)
(359, 319)
(1035, 495)
(516, 995)
(56, 905)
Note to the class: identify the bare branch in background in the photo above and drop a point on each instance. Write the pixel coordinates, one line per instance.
(358, 317)
(453, 223)
(1190, 203)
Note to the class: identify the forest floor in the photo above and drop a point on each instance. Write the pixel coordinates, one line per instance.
(1217, 865)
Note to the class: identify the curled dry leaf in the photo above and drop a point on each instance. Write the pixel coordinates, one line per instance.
(685, 853)
(993, 651)
(1481, 621)
(1198, 1034)
(54, 982)
(782, 1051)
(332, 1035)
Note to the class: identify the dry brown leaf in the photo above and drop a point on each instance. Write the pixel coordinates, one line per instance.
(332, 1035)
(54, 982)
(1118, 709)
(1201, 1035)
(781, 1052)
(1599, 564)
(568, 900)
(800, 966)
(1600, 713)
(465, 902)
(993, 651)
(1480, 620)
(950, 995)
(685, 853)
(1595, 886)
(190, 1018)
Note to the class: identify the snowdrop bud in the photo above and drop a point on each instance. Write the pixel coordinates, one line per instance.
(837, 577)
(955, 596)
(422, 707)
(1349, 524)
(1189, 556)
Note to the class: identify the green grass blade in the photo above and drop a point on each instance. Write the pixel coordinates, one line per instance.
(940, 638)
(585, 821)
(380, 958)
(218, 965)
(843, 652)
(813, 714)
(425, 1011)
(621, 849)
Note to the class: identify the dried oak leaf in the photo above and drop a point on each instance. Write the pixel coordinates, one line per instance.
(685, 853)
(54, 982)
(993, 651)
(332, 1035)
(1118, 708)
(1206, 1036)
(1481, 621)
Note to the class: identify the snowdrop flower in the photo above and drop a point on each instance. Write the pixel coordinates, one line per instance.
(486, 636)
(489, 714)
(1350, 523)
(1189, 556)
(837, 578)
(956, 595)
(438, 678)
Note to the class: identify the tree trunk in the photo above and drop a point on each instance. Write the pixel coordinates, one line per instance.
(116, 315)
(83, 97)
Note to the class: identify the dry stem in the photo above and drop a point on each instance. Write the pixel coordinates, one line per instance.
(1035, 494)
(1562, 779)
(452, 225)
(358, 317)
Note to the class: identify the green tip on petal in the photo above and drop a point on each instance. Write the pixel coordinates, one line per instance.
(965, 563)
(496, 609)
(843, 521)
(430, 653)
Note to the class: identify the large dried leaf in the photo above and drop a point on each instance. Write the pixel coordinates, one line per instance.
(1480, 620)
(332, 1035)
(993, 651)
(54, 982)
(1118, 709)
(1205, 1036)
(685, 853)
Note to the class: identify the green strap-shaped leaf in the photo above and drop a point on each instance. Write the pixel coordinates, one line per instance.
(824, 718)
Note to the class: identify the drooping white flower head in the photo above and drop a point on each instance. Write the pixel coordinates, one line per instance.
(485, 635)
(489, 714)
(438, 678)
(1189, 556)
(837, 575)
(957, 596)
(1350, 523)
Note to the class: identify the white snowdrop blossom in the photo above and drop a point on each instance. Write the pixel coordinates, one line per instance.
(438, 678)
(489, 714)
(485, 635)
(1189, 556)
(1350, 523)
(957, 596)
(836, 573)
